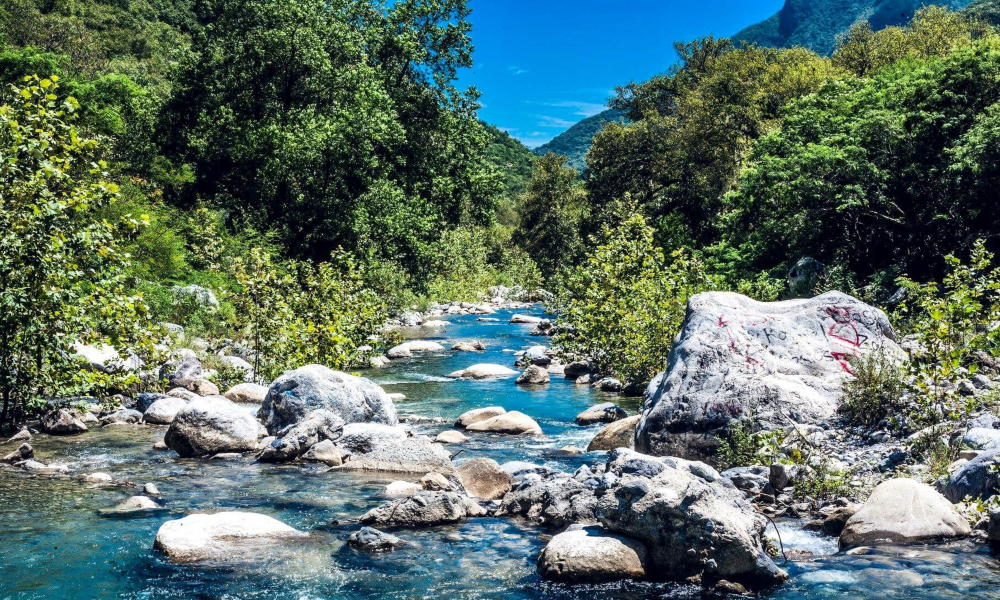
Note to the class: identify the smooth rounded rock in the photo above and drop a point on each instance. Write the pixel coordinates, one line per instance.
(483, 478)
(533, 375)
(163, 411)
(513, 423)
(219, 536)
(451, 437)
(606, 412)
(247, 393)
(212, 425)
(478, 414)
(620, 434)
(483, 371)
(592, 555)
(903, 511)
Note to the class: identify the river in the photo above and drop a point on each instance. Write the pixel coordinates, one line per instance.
(56, 543)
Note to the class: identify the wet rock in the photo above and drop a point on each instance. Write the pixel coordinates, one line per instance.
(399, 489)
(736, 358)
(475, 346)
(406, 349)
(150, 489)
(163, 411)
(571, 451)
(248, 393)
(124, 416)
(381, 448)
(160, 446)
(424, 508)
(377, 362)
(538, 355)
(369, 539)
(134, 504)
(607, 412)
(145, 400)
(584, 379)
(33, 466)
(212, 425)
(98, 478)
(62, 422)
(833, 524)
(533, 375)
(327, 453)
(691, 527)
(294, 441)
(525, 319)
(483, 371)
(478, 414)
(483, 478)
(220, 536)
(21, 436)
(903, 511)
(978, 478)
(620, 434)
(451, 437)
(23, 452)
(591, 555)
(512, 423)
(297, 393)
(729, 587)
(183, 370)
(608, 384)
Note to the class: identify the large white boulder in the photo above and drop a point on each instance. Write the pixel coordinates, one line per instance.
(901, 511)
(164, 410)
(737, 358)
(591, 555)
(220, 536)
(297, 393)
(513, 423)
(211, 425)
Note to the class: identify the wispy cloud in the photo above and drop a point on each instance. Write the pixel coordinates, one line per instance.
(517, 70)
(554, 122)
(584, 109)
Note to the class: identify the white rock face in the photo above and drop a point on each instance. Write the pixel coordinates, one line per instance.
(220, 536)
(483, 371)
(591, 555)
(163, 411)
(902, 511)
(406, 349)
(737, 357)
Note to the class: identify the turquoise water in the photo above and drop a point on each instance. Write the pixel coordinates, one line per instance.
(55, 543)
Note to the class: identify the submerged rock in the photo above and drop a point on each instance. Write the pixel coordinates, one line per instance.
(62, 422)
(211, 425)
(220, 536)
(620, 434)
(903, 511)
(737, 358)
(327, 453)
(424, 508)
(134, 504)
(23, 452)
(483, 478)
(525, 319)
(483, 371)
(297, 393)
(124, 416)
(591, 555)
(513, 423)
(369, 539)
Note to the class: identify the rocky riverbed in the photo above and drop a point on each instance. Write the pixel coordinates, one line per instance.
(62, 536)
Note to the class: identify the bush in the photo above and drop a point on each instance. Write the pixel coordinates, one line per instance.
(877, 389)
(744, 446)
(623, 306)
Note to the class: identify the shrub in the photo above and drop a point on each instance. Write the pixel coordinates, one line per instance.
(744, 446)
(877, 389)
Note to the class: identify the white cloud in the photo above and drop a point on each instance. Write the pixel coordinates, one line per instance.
(554, 122)
(517, 70)
(584, 109)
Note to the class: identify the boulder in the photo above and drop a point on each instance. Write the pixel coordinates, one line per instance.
(901, 511)
(163, 411)
(483, 478)
(803, 277)
(183, 370)
(242, 366)
(134, 504)
(220, 536)
(538, 355)
(553, 500)
(513, 423)
(436, 482)
(248, 393)
(533, 375)
(978, 478)
(475, 346)
(483, 371)
(212, 425)
(752, 479)
(203, 387)
(607, 412)
(424, 508)
(478, 414)
(591, 555)
(23, 452)
(577, 368)
(294, 441)
(62, 422)
(620, 434)
(690, 526)
(183, 394)
(382, 448)
(105, 359)
(525, 319)
(21, 436)
(327, 453)
(399, 489)
(369, 539)
(122, 416)
(297, 393)
(145, 400)
(736, 358)
(451, 437)
(407, 349)
(377, 362)
(982, 438)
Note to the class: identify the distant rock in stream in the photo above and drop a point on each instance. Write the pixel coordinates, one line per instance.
(224, 536)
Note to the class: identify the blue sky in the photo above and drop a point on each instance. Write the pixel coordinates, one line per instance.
(543, 65)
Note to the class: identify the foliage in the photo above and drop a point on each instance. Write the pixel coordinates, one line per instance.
(876, 391)
(474, 259)
(823, 481)
(744, 446)
(575, 141)
(550, 214)
(61, 266)
(510, 157)
(623, 305)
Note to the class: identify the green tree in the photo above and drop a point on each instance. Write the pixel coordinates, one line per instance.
(61, 268)
(549, 228)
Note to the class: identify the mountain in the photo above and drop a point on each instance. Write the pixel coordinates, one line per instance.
(511, 157)
(985, 10)
(815, 24)
(575, 141)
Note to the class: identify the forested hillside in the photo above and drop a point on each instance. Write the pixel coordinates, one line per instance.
(815, 24)
(575, 141)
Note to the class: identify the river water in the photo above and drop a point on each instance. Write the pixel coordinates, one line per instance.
(55, 542)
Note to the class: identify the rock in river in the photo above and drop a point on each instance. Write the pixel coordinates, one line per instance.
(620, 434)
(513, 423)
(381, 448)
(483, 478)
(297, 393)
(406, 349)
(369, 539)
(607, 412)
(591, 555)
(478, 414)
(62, 422)
(212, 425)
(483, 371)
(320, 425)
(901, 511)
(424, 509)
(533, 375)
(164, 410)
(219, 536)
(736, 357)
